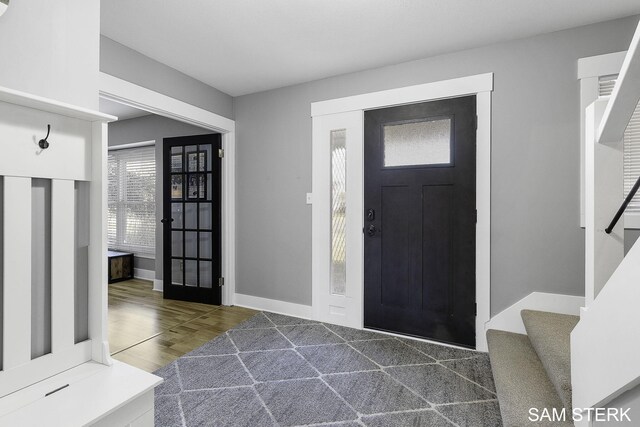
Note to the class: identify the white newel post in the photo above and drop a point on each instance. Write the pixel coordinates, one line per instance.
(603, 196)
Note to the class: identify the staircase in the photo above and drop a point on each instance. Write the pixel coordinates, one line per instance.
(589, 361)
(534, 370)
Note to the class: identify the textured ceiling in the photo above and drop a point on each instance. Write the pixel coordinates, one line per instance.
(246, 46)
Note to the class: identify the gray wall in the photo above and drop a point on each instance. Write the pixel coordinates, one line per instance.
(537, 243)
(40, 267)
(149, 128)
(50, 48)
(630, 237)
(629, 399)
(130, 65)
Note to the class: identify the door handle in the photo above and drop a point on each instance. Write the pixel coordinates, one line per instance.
(166, 220)
(371, 231)
(371, 214)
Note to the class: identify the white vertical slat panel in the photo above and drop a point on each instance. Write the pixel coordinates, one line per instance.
(17, 271)
(98, 246)
(62, 264)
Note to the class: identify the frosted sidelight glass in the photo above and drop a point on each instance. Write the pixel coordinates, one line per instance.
(338, 211)
(418, 143)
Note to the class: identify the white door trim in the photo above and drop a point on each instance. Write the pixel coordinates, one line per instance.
(480, 85)
(124, 92)
(470, 85)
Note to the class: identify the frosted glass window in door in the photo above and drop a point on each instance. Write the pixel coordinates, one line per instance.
(206, 274)
(191, 272)
(177, 215)
(176, 243)
(418, 143)
(191, 244)
(205, 245)
(338, 211)
(205, 216)
(177, 267)
(190, 213)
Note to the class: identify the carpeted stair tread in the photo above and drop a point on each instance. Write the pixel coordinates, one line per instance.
(549, 334)
(520, 379)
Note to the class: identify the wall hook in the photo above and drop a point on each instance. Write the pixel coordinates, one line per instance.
(43, 143)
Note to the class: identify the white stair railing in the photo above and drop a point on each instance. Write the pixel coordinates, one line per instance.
(606, 341)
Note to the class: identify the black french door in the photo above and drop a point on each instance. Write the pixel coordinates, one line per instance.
(420, 219)
(192, 218)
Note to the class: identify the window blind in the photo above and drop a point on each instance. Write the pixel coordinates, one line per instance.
(631, 145)
(131, 219)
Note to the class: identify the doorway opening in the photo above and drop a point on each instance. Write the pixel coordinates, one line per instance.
(144, 329)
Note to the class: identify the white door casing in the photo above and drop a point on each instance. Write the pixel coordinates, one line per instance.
(348, 113)
(124, 92)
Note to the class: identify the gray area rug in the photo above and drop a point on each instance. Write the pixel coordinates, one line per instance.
(275, 370)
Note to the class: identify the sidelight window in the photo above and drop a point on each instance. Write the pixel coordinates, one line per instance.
(338, 211)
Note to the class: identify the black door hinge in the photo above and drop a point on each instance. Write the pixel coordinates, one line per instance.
(475, 310)
(475, 215)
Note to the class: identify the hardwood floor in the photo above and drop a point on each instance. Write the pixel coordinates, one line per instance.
(148, 331)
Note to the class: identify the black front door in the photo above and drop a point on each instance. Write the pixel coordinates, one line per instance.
(192, 218)
(420, 218)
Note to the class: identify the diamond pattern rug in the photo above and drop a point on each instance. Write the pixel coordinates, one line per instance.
(275, 370)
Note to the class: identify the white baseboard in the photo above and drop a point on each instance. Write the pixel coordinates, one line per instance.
(157, 285)
(510, 320)
(274, 306)
(140, 273)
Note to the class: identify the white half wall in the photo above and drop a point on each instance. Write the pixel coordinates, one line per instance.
(510, 320)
